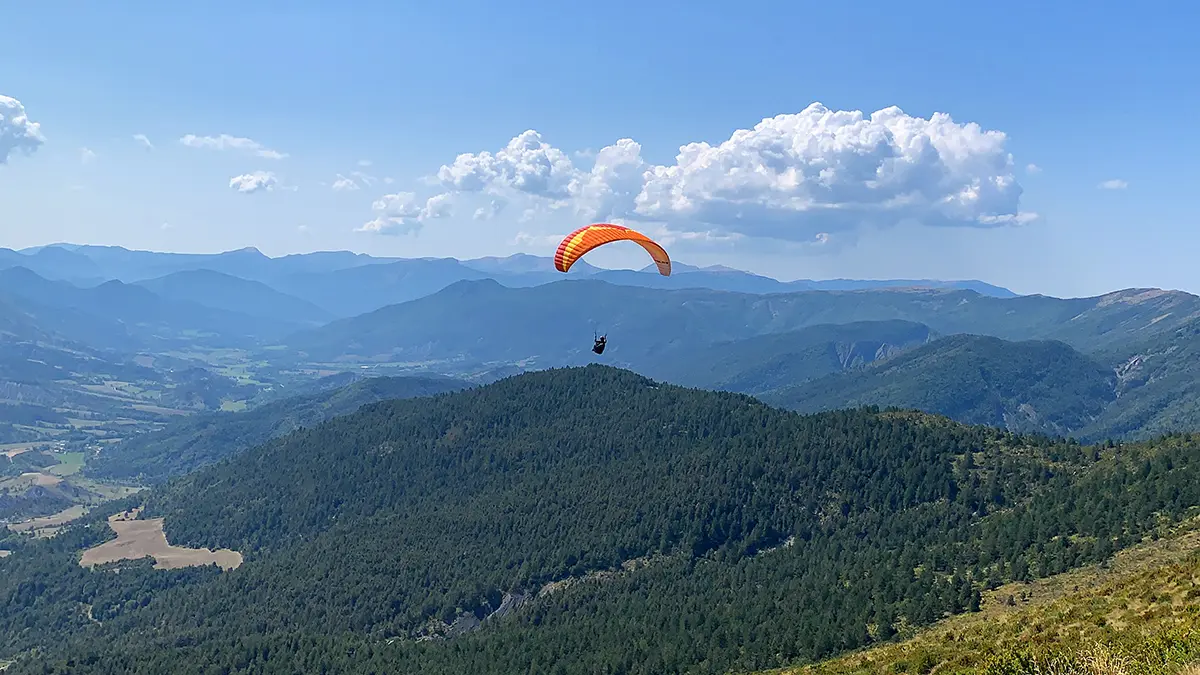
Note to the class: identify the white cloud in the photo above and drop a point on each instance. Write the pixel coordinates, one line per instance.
(403, 213)
(227, 142)
(1114, 184)
(364, 162)
(141, 138)
(388, 180)
(343, 184)
(17, 131)
(166, 226)
(792, 177)
(254, 182)
(1033, 168)
(86, 156)
(527, 165)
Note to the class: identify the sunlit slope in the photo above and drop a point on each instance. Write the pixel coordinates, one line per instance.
(1138, 614)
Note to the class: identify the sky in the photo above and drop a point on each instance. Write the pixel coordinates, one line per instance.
(1046, 147)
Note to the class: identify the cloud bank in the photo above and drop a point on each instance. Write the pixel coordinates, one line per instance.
(17, 131)
(800, 177)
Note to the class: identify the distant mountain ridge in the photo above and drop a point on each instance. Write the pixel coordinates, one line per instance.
(328, 278)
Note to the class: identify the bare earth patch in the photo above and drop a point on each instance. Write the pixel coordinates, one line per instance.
(140, 538)
(57, 520)
(39, 478)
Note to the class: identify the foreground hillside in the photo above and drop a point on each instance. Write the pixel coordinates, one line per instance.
(1137, 614)
(595, 521)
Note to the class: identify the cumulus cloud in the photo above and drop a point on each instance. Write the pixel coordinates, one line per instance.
(1033, 168)
(527, 165)
(793, 177)
(227, 142)
(17, 131)
(1114, 184)
(404, 213)
(86, 156)
(254, 182)
(145, 142)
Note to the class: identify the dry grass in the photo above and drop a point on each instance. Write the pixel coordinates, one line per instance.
(57, 520)
(39, 478)
(141, 538)
(1136, 616)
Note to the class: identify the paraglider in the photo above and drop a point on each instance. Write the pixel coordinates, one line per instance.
(588, 237)
(575, 245)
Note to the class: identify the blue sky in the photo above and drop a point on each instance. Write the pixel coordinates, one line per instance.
(1085, 92)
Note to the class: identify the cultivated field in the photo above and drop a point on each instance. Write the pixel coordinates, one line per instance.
(55, 521)
(140, 538)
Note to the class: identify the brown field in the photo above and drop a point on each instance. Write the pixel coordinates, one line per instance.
(39, 478)
(57, 520)
(140, 538)
(11, 450)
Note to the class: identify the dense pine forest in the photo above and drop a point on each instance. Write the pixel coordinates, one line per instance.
(703, 533)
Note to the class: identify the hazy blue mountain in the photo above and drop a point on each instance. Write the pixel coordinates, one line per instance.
(365, 288)
(301, 274)
(223, 291)
(125, 317)
(55, 263)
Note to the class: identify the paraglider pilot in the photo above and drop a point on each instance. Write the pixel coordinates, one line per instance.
(600, 342)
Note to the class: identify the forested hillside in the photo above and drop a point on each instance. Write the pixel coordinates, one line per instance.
(707, 532)
(1035, 386)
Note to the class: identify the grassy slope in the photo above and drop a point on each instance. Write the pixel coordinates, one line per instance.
(1137, 615)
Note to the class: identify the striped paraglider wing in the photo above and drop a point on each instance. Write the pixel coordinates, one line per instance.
(586, 238)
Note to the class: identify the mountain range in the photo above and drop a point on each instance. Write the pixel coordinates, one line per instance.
(257, 323)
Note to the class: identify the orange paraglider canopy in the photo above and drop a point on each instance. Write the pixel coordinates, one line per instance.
(586, 238)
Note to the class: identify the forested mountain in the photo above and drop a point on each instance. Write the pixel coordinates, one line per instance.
(1034, 386)
(715, 533)
(208, 437)
(767, 362)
